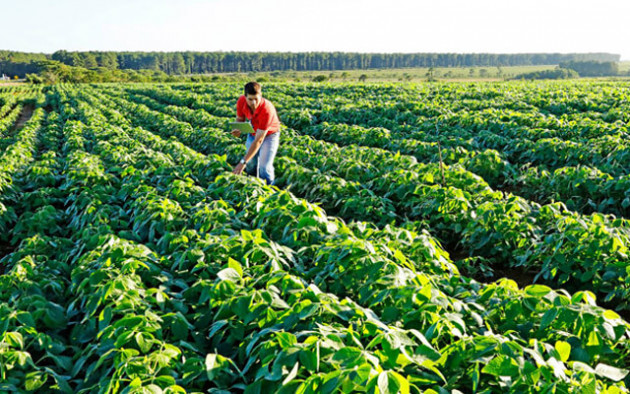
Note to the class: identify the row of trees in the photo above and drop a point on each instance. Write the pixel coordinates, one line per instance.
(557, 73)
(51, 71)
(592, 68)
(211, 62)
(19, 63)
(175, 63)
(575, 69)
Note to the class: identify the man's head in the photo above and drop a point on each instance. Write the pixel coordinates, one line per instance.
(253, 94)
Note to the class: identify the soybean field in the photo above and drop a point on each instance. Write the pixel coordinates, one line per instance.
(420, 238)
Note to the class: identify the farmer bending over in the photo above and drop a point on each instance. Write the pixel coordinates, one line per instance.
(262, 145)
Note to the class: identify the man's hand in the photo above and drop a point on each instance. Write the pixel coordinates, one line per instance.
(238, 169)
(236, 133)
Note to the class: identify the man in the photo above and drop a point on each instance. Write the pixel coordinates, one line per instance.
(262, 145)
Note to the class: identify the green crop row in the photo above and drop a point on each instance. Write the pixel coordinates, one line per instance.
(239, 197)
(15, 157)
(145, 266)
(459, 145)
(566, 248)
(33, 285)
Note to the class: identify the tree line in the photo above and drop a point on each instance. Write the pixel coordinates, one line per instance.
(557, 73)
(575, 69)
(20, 63)
(177, 63)
(592, 68)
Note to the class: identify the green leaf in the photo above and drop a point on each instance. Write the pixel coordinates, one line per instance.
(291, 374)
(129, 322)
(580, 366)
(401, 382)
(308, 359)
(286, 339)
(612, 373)
(330, 382)
(475, 378)
(611, 315)
(35, 380)
(123, 338)
(26, 318)
(14, 339)
(214, 363)
(78, 366)
(229, 274)
(363, 373)
(593, 339)
(348, 356)
(136, 382)
(104, 318)
(180, 326)
(383, 383)
(236, 266)
(216, 327)
(537, 290)
(308, 310)
(61, 381)
(144, 341)
(173, 388)
(500, 366)
(563, 349)
(55, 316)
(548, 317)
(165, 380)
(152, 389)
(254, 388)
(23, 358)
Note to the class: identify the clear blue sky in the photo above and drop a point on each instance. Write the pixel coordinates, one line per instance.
(498, 26)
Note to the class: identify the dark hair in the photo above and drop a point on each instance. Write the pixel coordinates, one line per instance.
(252, 88)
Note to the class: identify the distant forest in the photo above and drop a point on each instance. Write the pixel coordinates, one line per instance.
(177, 63)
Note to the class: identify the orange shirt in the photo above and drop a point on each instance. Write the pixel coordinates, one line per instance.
(264, 117)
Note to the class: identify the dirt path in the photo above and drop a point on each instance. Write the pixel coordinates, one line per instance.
(26, 114)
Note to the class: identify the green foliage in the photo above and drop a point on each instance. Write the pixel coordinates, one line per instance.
(50, 72)
(139, 263)
(558, 73)
(592, 68)
(34, 79)
(176, 63)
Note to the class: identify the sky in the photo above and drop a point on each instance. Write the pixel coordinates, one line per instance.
(464, 26)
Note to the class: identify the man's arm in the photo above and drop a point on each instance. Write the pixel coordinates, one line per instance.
(253, 149)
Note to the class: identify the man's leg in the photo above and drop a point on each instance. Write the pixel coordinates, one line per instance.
(267, 153)
(251, 168)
